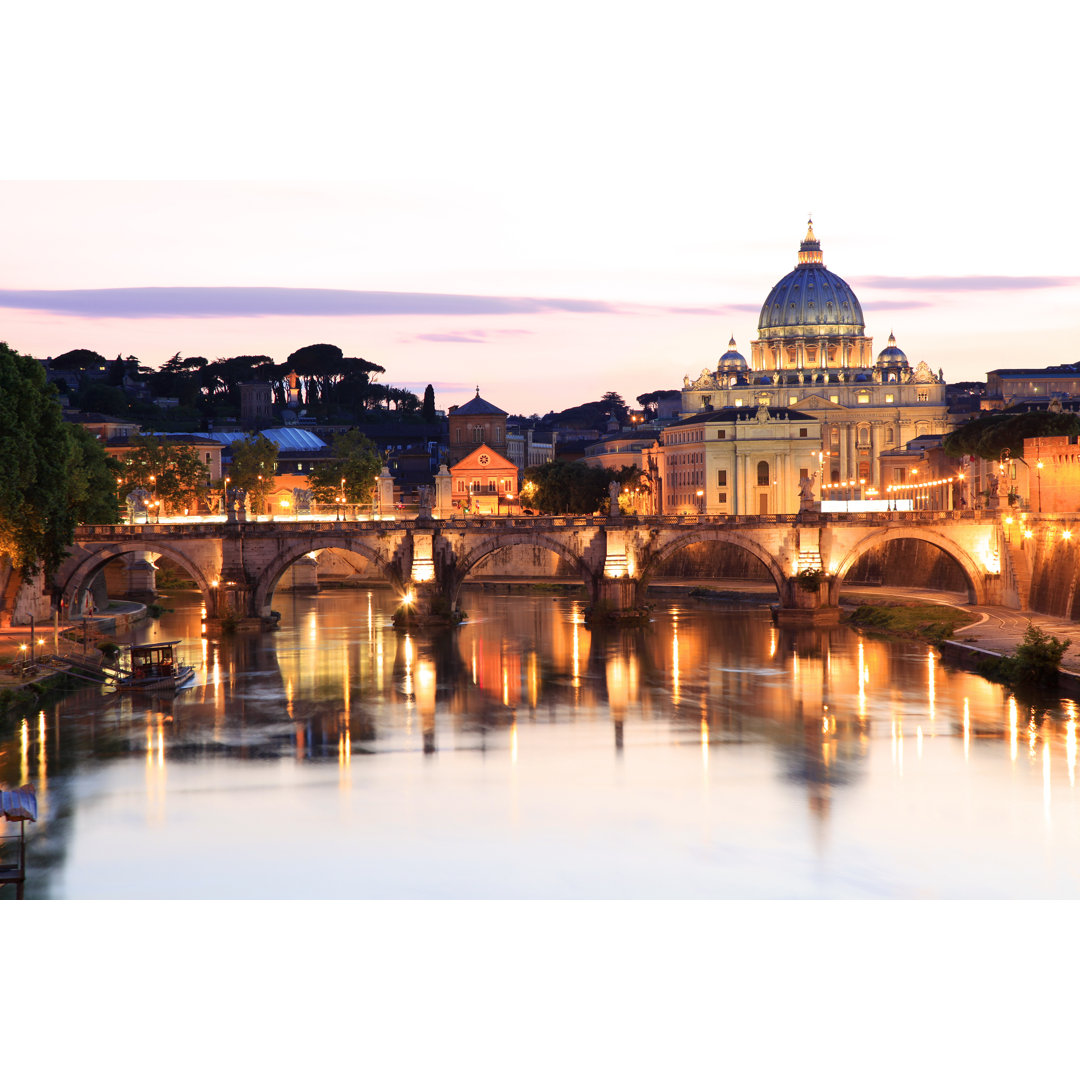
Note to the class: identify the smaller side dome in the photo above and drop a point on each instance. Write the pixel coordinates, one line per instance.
(891, 355)
(732, 360)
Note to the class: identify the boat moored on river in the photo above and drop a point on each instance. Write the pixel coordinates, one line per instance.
(155, 667)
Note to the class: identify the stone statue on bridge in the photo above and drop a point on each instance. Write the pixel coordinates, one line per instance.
(302, 500)
(138, 501)
(236, 504)
(806, 492)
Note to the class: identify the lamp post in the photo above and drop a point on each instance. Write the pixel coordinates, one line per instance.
(1038, 474)
(225, 494)
(701, 501)
(154, 501)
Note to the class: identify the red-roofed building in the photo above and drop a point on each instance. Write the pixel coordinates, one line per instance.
(484, 482)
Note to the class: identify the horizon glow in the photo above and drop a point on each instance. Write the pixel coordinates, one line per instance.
(600, 210)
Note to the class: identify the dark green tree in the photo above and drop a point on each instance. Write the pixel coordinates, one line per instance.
(427, 410)
(173, 473)
(254, 462)
(987, 436)
(356, 461)
(38, 490)
(78, 360)
(96, 480)
(615, 406)
(566, 487)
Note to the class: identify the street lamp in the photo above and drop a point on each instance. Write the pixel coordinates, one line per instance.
(701, 501)
(1039, 466)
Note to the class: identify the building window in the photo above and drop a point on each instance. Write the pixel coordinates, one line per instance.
(722, 497)
(890, 398)
(721, 478)
(922, 395)
(739, 403)
(834, 398)
(804, 474)
(802, 433)
(863, 398)
(864, 436)
(834, 438)
(793, 399)
(763, 473)
(721, 434)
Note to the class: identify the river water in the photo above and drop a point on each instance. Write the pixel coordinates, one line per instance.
(709, 754)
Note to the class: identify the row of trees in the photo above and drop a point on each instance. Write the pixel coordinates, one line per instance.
(176, 477)
(988, 435)
(572, 487)
(328, 382)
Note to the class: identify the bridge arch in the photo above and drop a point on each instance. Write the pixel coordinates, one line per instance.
(292, 550)
(73, 579)
(963, 559)
(490, 544)
(667, 548)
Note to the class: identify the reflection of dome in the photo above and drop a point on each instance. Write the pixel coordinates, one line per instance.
(811, 300)
(891, 356)
(732, 360)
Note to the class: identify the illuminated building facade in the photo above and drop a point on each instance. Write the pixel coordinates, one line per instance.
(484, 482)
(736, 461)
(812, 354)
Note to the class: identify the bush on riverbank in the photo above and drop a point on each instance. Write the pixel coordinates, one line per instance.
(1035, 662)
(934, 623)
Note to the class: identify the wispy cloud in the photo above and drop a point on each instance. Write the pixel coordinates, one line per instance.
(235, 301)
(896, 305)
(456, 339)
(966, 283)
(471, 337)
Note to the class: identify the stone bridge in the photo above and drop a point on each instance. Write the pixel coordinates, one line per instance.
(237, 565)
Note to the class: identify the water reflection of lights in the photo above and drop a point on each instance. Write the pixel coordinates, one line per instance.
(1070, 743)
(675, 687)
(772, 643)
(1046, 779)
(1013, 733)
(534, 681)
(1033, 736)
(918, 741)
(24, 752)
(42, 752)
(864, 676)
(704, 737)
(407, 684)
(513, 742)
(967, 729)
(931, 690)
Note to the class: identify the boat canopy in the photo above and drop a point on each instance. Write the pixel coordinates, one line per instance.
(20, 804)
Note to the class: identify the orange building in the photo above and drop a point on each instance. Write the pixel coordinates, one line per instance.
(474, 424)
(484, 482)
(1052, 475)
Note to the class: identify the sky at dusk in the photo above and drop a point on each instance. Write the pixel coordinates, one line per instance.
(547, 201)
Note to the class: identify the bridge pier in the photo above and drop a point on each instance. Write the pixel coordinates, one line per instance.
(809, 600)
(231, 607)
